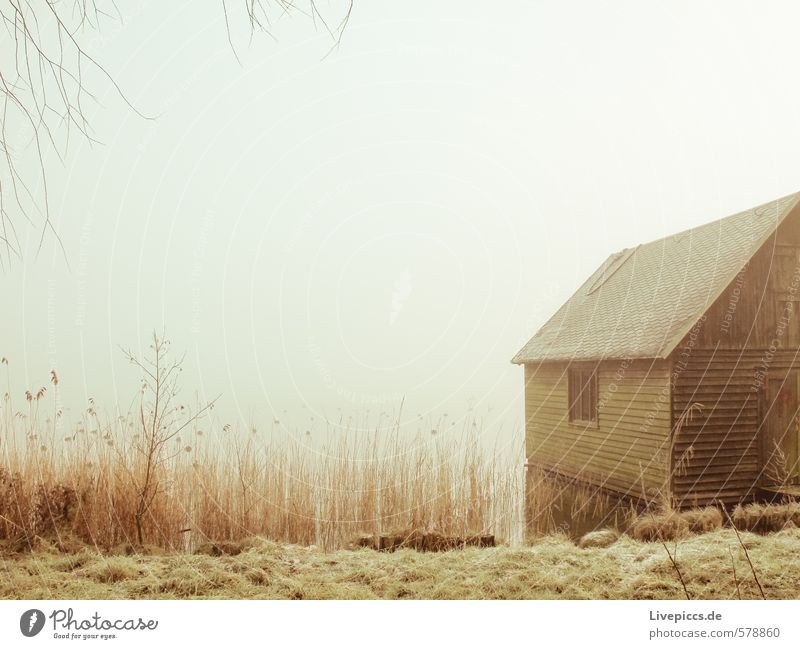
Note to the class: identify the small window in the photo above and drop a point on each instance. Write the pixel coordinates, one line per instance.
(582, 394)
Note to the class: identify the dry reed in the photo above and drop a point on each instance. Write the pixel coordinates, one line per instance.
(220, 486)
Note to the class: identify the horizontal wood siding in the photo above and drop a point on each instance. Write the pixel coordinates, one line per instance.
(722, 435)
(747, 333)
(626, 450)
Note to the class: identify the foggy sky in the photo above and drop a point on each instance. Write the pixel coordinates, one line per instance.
(326, 233)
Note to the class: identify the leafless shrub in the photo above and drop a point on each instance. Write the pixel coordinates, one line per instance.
(160, 421)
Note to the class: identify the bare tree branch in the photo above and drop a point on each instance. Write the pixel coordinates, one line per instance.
(44, 67)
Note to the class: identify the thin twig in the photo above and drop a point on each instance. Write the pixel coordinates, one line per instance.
(735, 579)
(677, 569)
(746, 554)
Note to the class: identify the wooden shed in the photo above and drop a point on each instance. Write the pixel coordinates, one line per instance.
(673, 370)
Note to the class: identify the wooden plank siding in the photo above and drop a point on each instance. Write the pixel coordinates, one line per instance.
(745, 335)
(626, 449)
(715, 455)
(723, 434)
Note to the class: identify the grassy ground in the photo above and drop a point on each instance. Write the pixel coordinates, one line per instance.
(550, 568)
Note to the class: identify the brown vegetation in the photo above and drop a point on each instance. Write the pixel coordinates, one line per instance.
(764, 518)
(148, 504)
(671, 525)
(422, 541)
(665, 526)
(161, 476)
(598, 539)
(707, 519)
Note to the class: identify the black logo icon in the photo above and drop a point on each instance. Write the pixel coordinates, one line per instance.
(31, 622)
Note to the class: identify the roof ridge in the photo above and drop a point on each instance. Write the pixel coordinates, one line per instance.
(718, 220)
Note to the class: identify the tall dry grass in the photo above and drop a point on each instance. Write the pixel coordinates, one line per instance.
(217, 485)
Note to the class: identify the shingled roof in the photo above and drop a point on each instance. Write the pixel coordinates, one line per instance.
(642, 301)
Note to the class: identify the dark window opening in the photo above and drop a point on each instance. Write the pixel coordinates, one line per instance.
(582, 394)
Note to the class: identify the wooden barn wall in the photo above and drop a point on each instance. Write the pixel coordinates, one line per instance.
(748, 311)
(716, 450)
(747, 332)
(627, 449)
(723, 432)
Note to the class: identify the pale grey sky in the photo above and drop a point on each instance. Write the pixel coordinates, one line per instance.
(395, 219)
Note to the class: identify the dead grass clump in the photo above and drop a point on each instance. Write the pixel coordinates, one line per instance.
(67, 543)
(257, 577)
(234, 548)
(423, 541)
(665, 526)
(70, 562)
(134, 549)
(766, 518)
(363, 541)
(110, 570)
(598, 539)
(229, 548)
(198, 579)
(670, 525)
(701, 521)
